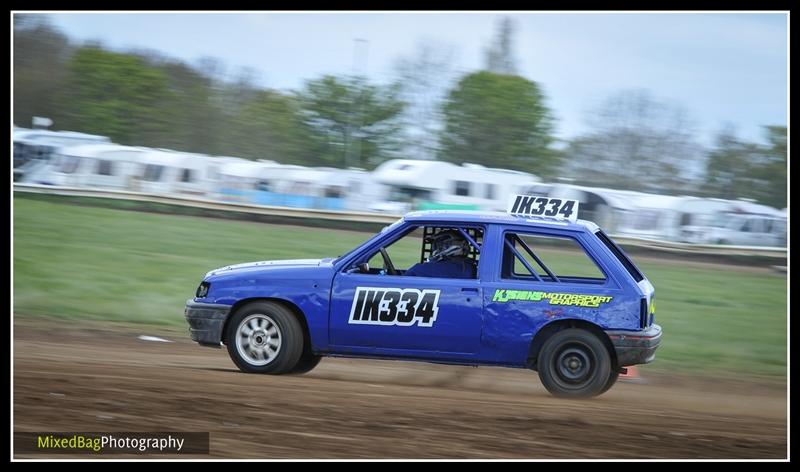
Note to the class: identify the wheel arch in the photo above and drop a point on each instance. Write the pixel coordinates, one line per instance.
(548, 330)
(296, 311)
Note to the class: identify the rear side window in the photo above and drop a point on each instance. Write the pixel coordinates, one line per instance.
(621, 256)
(549, 259)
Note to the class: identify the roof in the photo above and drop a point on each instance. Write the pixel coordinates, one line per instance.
(744, 207)
(434, 174)
(247, 169)
(622, 199)
(44, 135)
(496, 217)
(95, 150)
(658, 202)
(173, 159)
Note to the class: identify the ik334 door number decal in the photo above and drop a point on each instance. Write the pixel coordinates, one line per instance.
(394, 306)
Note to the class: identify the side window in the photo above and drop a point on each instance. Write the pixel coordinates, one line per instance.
(530, 256)
(105, 167)
(644, 220)
(70, 164)
(461, 188)
(187, 175)
(152, 172)
(403, 252)
(489, 195)
(418, 247)
(334, 191)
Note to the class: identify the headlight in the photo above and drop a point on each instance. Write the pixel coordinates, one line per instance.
(202, 290)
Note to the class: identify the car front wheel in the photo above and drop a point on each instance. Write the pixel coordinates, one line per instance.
(264, 338)
(575, 363)
(306, 363)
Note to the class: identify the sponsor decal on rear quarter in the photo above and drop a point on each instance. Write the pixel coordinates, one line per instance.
(569, 299)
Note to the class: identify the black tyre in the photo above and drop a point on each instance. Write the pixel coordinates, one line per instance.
(306, 363)
(264, 338)
(612, 379)
(574, 363)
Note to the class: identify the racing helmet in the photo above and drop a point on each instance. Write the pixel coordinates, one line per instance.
(448, 243)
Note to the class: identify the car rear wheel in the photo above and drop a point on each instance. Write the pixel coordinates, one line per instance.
(575, 363)
(612, 379)
(264, 338)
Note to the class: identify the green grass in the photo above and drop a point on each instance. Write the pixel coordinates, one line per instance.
(720, 319)
(94, 263)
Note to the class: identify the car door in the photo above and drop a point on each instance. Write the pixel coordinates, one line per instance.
(403, 315)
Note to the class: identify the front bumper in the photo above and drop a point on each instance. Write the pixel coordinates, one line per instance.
(636, 347)
(206, 321)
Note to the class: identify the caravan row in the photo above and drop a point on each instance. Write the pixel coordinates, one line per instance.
(270, 183)
(162, 171)
(396, 186)
(684, 219)
(130, 168)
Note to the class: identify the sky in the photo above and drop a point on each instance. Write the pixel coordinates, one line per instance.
(727, 70)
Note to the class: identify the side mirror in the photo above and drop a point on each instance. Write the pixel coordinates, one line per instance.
(363, 268)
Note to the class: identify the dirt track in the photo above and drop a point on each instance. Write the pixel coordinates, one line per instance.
(100, 377)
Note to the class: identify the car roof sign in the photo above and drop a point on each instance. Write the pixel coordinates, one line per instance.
(535, 206)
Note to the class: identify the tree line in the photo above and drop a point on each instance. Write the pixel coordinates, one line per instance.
(493, 117)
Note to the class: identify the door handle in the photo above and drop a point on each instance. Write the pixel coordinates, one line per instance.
(469, 289)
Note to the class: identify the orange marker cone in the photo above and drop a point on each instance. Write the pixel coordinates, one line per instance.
(632, 375)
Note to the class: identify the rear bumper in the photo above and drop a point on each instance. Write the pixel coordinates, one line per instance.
(206, 321)
(636, 347)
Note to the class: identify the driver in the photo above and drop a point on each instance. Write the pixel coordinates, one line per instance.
(448, 259)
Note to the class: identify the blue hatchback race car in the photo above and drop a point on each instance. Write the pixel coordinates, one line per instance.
(531, 288)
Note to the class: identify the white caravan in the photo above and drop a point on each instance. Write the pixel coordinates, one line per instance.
(706, 221)
(608, 208)
(34, 148)
(269, 183)
(663, 217)
(359, 187)
(742, 223)
(323, 188)
(90, 165)
(240, 178)
(163, 171)
(423, 185)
